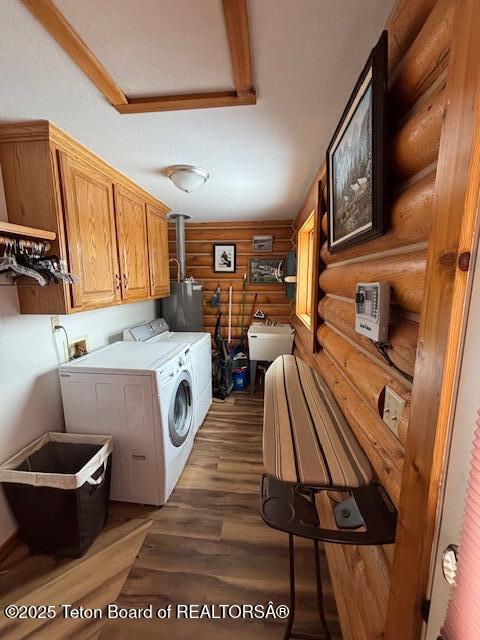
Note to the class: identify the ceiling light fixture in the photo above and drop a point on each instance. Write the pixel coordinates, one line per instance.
(187, 177)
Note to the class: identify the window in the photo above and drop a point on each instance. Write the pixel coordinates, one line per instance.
(306, 271)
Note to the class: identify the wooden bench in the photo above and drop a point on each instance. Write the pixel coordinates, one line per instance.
(306, 439)
(308, 448)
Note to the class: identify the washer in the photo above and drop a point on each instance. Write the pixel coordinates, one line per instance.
(201, 350)
(142, 395)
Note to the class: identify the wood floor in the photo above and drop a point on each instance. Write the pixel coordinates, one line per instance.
(209, 544)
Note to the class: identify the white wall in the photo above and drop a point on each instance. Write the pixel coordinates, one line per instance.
(30, 401)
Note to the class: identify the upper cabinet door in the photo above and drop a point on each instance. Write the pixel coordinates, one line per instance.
(132, 244)
(158, 251)
(91, 239)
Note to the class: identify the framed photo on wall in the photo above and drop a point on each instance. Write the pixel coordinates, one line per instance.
(356, 159)
(262, 244)
(266, 271)
(224, 258)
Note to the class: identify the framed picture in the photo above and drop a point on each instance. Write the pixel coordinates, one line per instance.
(266, 271)
(356, 160)
(262, 244)
(224, 258)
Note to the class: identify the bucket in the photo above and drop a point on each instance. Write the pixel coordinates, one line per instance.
(240, 379)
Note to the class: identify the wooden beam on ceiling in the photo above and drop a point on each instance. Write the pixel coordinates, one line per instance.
(58, 27)
(236, 20)
(237, 29)
(186, 101)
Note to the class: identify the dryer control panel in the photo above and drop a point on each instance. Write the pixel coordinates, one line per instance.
(372, 310)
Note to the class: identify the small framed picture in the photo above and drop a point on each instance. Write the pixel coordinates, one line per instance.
(262, 244)
(266, 271)
(224, 258)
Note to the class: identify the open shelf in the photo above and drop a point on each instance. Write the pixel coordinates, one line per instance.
(26, 232)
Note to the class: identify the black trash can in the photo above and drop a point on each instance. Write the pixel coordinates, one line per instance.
(58, 488)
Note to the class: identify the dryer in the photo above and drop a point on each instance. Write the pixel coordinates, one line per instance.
(142, 395)
(200, 343)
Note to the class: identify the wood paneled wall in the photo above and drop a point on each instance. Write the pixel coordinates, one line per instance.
(200, 238)
(432, 47)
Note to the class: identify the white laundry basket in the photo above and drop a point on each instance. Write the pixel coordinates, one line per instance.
(58, 488)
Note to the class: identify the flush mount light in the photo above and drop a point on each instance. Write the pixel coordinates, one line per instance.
(187, 177)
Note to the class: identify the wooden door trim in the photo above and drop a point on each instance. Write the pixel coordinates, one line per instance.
(236, 21)
(454, 221)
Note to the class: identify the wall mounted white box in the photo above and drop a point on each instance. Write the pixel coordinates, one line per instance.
(372, 310)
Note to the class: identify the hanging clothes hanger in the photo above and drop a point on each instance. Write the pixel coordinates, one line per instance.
(27, 258)
(13, 270)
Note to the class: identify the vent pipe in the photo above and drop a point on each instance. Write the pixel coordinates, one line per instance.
(180, 237)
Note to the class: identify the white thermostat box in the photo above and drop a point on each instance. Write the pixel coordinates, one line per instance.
(372, 310)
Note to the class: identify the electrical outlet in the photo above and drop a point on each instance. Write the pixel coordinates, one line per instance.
(78, 348)
(393, 408)
(55, 320)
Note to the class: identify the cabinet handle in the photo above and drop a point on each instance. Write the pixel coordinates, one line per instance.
(117, 286)
(125, 281)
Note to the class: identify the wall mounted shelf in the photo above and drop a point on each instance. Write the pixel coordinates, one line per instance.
(26, 232)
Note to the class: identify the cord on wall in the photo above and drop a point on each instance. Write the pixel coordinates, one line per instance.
(59, 326)
(382, 347)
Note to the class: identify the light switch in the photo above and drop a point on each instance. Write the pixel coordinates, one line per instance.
(393, 408)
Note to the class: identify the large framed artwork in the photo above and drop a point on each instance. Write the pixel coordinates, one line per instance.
(356, 159)
(266, 271)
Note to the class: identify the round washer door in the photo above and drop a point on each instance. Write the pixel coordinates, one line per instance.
(180, 414)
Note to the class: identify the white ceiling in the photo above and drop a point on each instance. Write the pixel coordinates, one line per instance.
(306, 57)
(152, 47)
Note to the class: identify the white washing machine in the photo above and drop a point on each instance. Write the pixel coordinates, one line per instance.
(142, 395)
(201, 350)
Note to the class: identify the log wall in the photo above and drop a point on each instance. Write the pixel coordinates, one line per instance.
(419, 54)
(200, 238)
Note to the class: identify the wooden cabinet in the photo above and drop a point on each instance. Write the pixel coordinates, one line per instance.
(112, 233)
(132, 244)
(90, 231)
(157, 228)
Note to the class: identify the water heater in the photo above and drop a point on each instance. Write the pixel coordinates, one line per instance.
(183, 309)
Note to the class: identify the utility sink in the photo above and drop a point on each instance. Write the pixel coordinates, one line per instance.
(267, 342)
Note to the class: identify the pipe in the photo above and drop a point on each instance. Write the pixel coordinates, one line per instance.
(180, 241)
(178, 267)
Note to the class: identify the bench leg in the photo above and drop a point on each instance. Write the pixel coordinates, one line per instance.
(289, 633)
(321, 608)
(291, 615)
